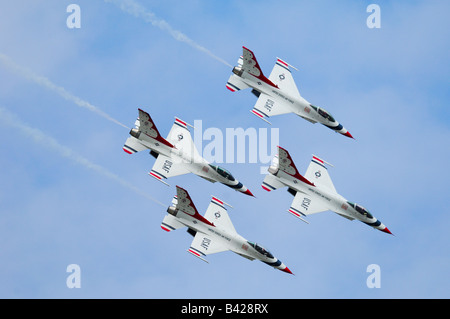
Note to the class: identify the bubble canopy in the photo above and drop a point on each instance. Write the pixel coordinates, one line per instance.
(260, 249)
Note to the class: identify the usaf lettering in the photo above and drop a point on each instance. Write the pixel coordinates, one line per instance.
(306, 202)
(246, 308)
(205, 243)
(167, 165)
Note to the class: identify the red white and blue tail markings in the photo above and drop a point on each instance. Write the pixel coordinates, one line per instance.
(157, 175)
(294, 211)
(251, 66)
(283, 64)
(233, 88)
(267, 187)
(128, 149)
(180, 123)
(286, 164)
(196, 253)
(260, 114)
(186, 205)
(146, 126)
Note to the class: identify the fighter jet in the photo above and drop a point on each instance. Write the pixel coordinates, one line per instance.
(314, 192)
(277, 94)
(177, 154)
(213, 232)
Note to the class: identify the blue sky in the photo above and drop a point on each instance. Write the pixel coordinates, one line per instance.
(63, 193)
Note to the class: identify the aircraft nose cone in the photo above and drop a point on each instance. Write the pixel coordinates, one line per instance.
(386, 230)
(287, 270)
(247, 192)
(348, 135)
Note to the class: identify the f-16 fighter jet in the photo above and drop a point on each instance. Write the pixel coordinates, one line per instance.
(277, 94)
(314, 192)
(213, 232)
(177, 154)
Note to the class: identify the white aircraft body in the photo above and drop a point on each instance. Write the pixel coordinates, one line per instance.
(314, 192)
(277, 94)
(213, 232)
(177, 154)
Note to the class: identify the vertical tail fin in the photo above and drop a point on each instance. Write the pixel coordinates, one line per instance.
(251, 66)
(286, 164)
(185, 204)
(148, 127)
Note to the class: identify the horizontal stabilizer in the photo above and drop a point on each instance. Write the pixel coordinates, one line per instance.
(170, 223)
(271, 183)
(235, 84)
(132, 145)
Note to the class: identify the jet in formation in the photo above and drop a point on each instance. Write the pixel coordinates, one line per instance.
(176, 154)
(314, 192)
(277, 94)
(213, 232)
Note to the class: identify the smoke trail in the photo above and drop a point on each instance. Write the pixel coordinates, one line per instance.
(9, 119)
(133, 8)
(42, 81)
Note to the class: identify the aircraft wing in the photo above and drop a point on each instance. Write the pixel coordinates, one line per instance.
(180, 136)
(203, 245)
(166, 167)
(317, 173)
(304, 205)
(267, 106)
(281, 75)
(218, 215)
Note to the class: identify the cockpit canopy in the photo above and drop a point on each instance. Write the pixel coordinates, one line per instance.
(323, 113)
(261, 249)
(361, 210)
(222, 172)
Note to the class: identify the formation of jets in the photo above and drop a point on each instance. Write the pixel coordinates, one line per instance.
(314, 192)
(214, 232)
(277, 94)
(176, 155)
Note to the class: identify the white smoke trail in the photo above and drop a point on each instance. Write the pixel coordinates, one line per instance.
(135, 9)
(9, 119)
(42, 81)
